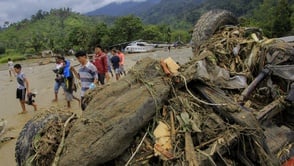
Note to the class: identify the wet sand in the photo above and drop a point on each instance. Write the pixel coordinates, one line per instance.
(41, 80)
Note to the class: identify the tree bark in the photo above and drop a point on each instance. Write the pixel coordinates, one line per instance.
(114, 116)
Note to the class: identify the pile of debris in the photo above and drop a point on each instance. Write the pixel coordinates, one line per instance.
(235, 125)
(47, 133)
(231, 104)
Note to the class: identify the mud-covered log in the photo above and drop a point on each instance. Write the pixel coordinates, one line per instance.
(114, 116)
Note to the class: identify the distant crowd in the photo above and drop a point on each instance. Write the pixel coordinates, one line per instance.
(97, 71)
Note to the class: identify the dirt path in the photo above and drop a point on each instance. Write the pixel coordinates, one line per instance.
(41, 81)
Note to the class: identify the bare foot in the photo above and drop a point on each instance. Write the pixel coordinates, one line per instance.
(54, 100)
(22, 112)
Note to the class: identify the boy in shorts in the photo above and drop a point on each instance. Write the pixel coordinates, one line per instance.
(22, 88)
(10, 68)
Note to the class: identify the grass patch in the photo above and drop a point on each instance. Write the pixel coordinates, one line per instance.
(13, 56)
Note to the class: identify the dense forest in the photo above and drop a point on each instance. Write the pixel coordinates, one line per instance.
(61, 29)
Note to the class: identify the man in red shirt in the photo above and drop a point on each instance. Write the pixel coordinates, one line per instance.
(100, 61)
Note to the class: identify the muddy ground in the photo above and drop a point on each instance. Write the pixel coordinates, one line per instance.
(41, 81)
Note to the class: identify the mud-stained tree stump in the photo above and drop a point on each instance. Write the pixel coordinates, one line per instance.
(114, 116)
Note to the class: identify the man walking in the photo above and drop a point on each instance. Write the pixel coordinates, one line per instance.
(59, 80)
(115, 64)
(100, 61)
(87, 75)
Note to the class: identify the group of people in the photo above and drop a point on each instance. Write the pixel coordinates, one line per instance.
(107, 60)
(89, 74)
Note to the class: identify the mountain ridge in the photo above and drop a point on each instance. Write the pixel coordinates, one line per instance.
(124, 8)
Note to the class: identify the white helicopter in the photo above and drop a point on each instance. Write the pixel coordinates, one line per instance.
(139, 46)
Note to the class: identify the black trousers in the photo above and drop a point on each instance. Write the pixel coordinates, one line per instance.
(101, 78)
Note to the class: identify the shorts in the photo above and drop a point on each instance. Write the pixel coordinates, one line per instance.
(21, 94)
(68, 95)
(122, 69)
(117, 71)
(57, 85)
(84, 91)
(10, 68)
(109, 69)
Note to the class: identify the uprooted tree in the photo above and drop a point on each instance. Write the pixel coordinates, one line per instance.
(206, 114)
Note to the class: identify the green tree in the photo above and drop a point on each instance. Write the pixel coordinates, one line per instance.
(2, 48)
(282, 21)
(181, 35)
(126, 29)
(151, 33)
(6, 24)
(36, 42)
(100, 35)
(79, 38)
(166, 32)
(263, 17)
(168, 35)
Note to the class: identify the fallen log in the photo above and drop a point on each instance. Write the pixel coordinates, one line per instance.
(114, 116)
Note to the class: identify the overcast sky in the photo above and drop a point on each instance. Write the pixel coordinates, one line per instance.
(16, 10)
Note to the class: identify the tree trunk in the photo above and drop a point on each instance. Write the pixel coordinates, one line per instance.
(108, 128)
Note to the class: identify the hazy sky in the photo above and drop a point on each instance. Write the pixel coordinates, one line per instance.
(16, 10)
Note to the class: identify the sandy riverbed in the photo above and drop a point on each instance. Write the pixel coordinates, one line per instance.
(41, 80)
